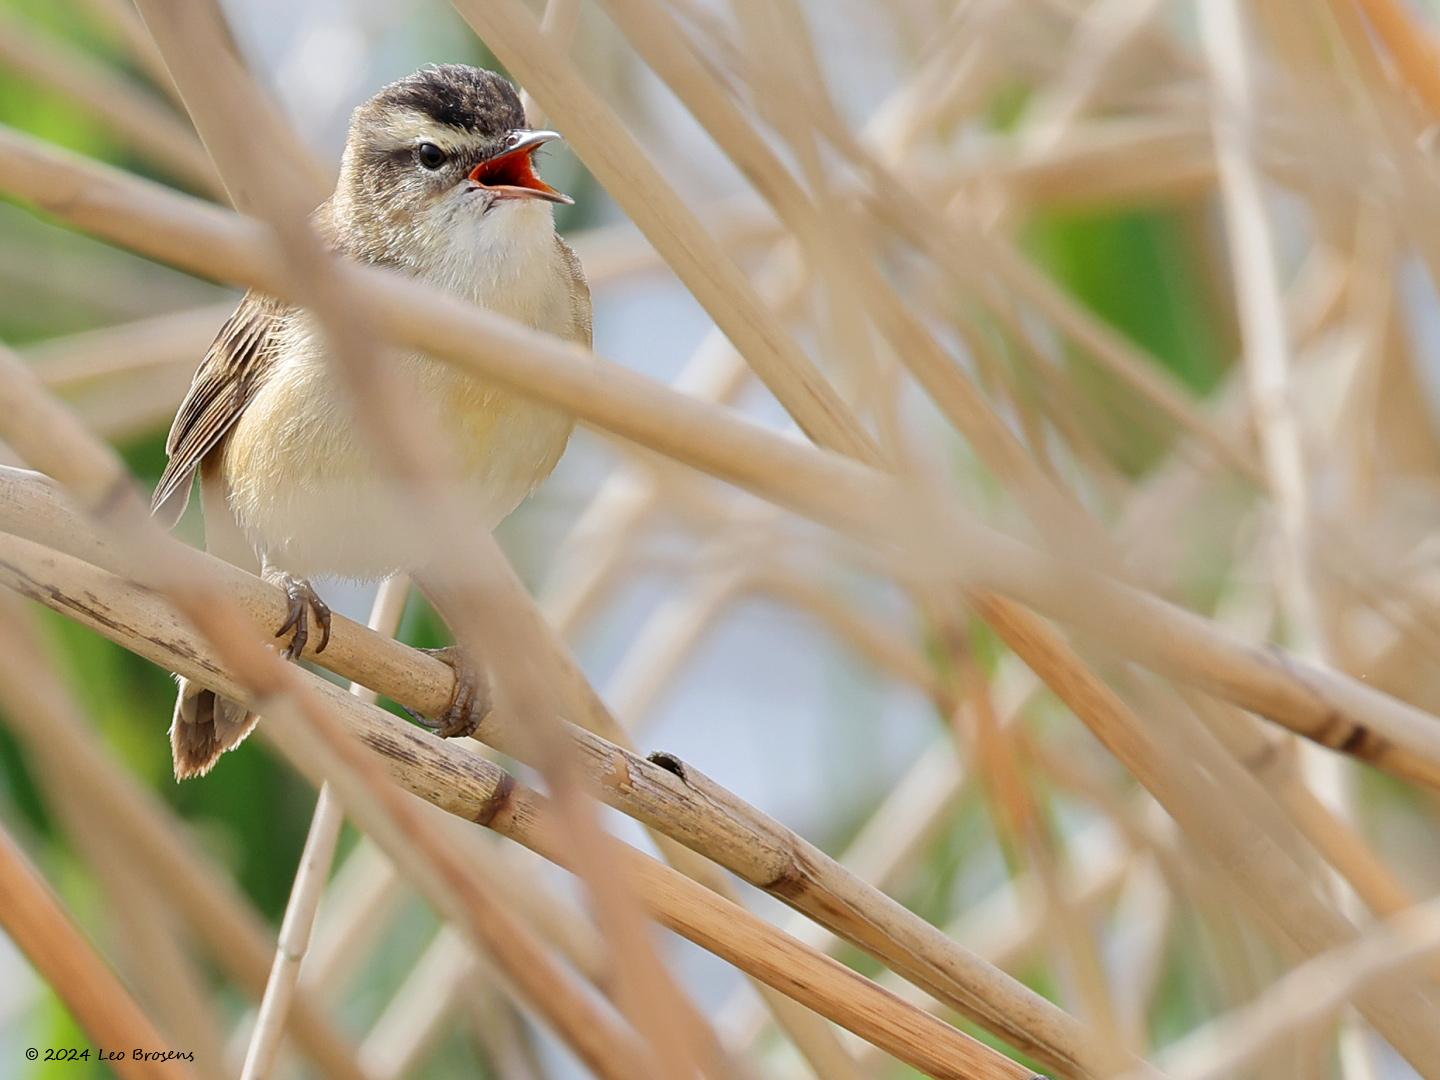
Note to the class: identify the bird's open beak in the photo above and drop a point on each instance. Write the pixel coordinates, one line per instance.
(511, 173)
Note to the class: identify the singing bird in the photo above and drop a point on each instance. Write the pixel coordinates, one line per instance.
(437, 181)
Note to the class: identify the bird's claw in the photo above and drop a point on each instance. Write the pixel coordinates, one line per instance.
(303, 600)
(469, 703)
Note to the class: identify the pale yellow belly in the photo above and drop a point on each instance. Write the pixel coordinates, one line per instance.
(312, 496)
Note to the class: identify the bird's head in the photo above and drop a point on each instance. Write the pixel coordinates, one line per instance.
(443, 149)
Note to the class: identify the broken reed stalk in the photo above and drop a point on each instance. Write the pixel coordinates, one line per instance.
(1320, 704)
(469, 786)
(34, 919)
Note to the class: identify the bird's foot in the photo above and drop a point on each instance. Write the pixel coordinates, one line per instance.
(303, 600)
(469, 703)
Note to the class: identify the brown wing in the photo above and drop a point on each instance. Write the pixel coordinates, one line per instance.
(579, 294)
(224, 383)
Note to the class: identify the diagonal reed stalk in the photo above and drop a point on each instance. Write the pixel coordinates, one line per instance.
(474, 789)
(1206, 763)
(758, 849)
(1257, 669)
(1320, 704)
(35, 921)
(147, 835)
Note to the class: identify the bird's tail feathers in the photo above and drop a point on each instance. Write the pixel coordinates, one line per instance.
(204, 726)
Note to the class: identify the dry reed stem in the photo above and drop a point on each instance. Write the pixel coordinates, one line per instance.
(624, 168)
(641, 677)
(823, 492)
(167, 979)
(123, 21)
(557, 22)
(135, 407)
(310, 877)
(235, 122)
(143, 121)
(1016, 821)
(1320, 704)
(1333, 837)
(655, 35)
(1007, 925)
(69, 464)
(470, 787)
(1306, 994)
(264, 1044)
(147, 832)
(688, 808)
(39, 926)
(1278, 888)
(615, 252)
(359, 903)
(993, 441)
(1412, 47)
(886, 649)
(1102, 34)
(320, 744)
(951, 242)
(920, 804)
(1258, 300)
(151, 948)
(98, 479)
(176, 339)
(421, 1010)
(664, 643)
(1316, 703)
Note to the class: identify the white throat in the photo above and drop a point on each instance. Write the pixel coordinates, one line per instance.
(503, 259)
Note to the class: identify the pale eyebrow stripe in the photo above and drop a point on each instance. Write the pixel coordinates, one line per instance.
(407, 127)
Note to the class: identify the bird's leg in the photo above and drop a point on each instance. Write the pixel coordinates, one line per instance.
(469, 702)
(303, 600)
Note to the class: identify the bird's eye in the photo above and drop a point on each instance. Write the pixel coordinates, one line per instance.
(430, 155)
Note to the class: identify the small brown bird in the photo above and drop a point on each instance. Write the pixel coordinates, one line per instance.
(437, 181)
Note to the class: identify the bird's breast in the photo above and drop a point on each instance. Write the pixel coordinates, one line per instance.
(311, 492)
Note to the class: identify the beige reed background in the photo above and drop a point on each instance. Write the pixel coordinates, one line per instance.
(984, 627)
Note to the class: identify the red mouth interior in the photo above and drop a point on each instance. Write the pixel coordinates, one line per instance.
(511, 169)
